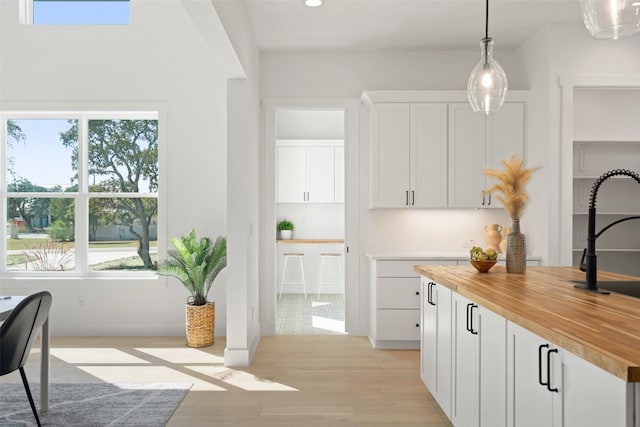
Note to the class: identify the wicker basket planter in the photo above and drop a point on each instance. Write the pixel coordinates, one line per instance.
(200, 324)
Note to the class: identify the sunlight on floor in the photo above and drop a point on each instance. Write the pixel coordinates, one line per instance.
(319, 303)
(182, 355)
(199, 367)
(96, 355)
(328, 324)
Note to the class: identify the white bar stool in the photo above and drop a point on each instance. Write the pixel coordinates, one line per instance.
(297, 256)
(337, 257)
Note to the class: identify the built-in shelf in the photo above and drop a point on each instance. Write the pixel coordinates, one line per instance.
(609, 143)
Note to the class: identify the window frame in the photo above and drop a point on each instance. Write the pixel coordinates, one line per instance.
(81, 198)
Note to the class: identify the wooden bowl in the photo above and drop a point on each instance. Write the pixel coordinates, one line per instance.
(482, 266)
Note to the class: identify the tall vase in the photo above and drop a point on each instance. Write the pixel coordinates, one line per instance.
(516, 249)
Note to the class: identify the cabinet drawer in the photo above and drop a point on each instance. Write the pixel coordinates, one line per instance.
(401, 325)
(398, 292)
(404, 268)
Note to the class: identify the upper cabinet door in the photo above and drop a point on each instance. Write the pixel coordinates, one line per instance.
(320, 174)
(466, 156)
(428, 155)
(505, 134)
(292, 170)
(389, 155)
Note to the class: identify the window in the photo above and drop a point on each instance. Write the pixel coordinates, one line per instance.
(80, 192)
(75, 12)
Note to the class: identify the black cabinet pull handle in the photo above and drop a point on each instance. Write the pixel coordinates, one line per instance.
(473, 331)
(540, 365)
(417, 292)
(483, 199)
(469, 317)
(413, 197)
(406, 196)
(555, 389)
(417, 325)
(489, 199)
(431, 286)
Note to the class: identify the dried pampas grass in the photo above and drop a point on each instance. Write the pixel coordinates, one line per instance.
(511, 183)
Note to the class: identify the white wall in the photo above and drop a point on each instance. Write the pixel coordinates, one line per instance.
(576, 57)
(320, 75)
(160, 59)
(243, 332)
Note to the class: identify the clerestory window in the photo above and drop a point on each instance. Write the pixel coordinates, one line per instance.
(75, 12)
(79, 192)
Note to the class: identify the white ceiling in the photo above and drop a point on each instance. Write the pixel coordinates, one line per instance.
(401, 24)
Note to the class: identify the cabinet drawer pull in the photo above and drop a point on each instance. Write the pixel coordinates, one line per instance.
(417, 325)
(489, 199)
(413, 198)
(417, 292)
(430, 293)
(473, 331)
(555, 389)
(406, 198)
(542, 383)
(469, 317)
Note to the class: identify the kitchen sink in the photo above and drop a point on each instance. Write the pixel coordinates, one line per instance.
(626, 287)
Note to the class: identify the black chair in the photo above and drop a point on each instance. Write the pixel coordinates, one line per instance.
(17, 334)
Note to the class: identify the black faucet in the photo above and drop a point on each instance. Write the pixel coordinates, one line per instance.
(591, 282)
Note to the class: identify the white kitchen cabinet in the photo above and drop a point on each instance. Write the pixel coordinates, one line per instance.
(435, 344)
(479, 365)
(408, 155)
(477, 142)
(550, 386)
(308, 173)
(395, 314)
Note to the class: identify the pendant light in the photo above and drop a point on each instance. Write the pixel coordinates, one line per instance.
(487, 86)
(313, 3)
(611, 19)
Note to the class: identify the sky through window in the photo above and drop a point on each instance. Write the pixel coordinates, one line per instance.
(81, 12)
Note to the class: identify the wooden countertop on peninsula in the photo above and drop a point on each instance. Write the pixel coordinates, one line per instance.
(309, 241)
(602, 329)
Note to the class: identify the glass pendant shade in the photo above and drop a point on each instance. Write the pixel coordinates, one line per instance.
(487, 86)
(611, 19)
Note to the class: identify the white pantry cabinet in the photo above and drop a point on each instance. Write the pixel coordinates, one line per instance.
(435, 344)
(408, 155)
(308, 172)
(479, 385)
(552, 387)
(477, 142)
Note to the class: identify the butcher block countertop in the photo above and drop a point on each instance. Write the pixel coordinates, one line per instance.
(602, 329)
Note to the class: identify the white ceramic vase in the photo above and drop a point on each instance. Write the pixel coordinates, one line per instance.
(286, 234)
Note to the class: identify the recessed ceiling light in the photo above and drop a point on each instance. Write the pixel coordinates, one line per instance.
(313, 3)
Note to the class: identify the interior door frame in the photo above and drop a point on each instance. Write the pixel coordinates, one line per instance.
(351, 108)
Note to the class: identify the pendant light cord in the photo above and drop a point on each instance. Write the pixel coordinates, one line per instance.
(486, 21)
(486, 33)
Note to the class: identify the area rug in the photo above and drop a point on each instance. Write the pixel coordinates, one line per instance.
(93, 404)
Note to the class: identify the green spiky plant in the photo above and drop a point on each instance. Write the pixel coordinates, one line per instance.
(196, 263)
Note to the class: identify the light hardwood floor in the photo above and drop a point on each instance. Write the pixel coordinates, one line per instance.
(294, 380)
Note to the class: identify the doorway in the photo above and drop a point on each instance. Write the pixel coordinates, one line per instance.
(317, 191)
(309, 154)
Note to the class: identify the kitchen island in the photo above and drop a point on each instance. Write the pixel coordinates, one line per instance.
(506, 349)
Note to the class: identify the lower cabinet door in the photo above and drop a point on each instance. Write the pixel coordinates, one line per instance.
(530, 402)
(464, 402)
(402, 325)
(492, 348)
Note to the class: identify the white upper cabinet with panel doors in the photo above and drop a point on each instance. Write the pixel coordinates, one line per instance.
(476, 142)
(408, 155)
(308, 171)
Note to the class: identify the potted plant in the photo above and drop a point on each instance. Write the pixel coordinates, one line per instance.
(286, 229)
(196, 263)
